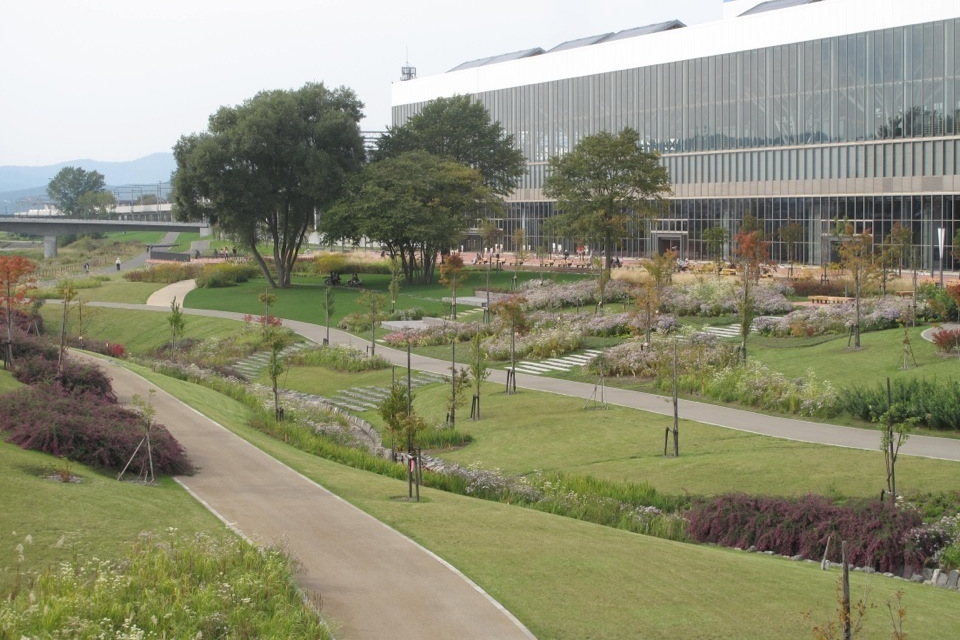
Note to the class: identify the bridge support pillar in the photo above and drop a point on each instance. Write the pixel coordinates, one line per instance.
(49, 246)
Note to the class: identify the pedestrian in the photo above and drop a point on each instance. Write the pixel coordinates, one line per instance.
(118, 264)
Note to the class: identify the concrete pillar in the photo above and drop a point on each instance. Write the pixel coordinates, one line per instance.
(49, 246)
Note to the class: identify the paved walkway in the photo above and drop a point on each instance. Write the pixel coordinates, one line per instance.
(374, 582)
(360, 567)
(778, 427)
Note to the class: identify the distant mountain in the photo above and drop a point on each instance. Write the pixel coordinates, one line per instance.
(152, 169)
(22, 186)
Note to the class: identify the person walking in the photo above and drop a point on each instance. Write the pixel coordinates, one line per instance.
(118, 264)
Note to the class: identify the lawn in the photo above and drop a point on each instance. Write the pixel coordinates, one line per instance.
(568, 579)
(94, 518)
(140, 332)
(301, 301)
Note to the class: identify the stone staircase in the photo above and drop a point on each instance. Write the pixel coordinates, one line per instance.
(564, 363)
(358, 399)
(252, 365)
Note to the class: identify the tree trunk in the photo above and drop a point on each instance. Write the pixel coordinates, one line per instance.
(264, 269)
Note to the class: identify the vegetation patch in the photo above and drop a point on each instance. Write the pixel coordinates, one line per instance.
(166, 587)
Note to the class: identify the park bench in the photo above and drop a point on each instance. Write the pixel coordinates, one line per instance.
(829, 299)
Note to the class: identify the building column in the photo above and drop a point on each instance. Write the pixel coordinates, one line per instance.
(49, 246)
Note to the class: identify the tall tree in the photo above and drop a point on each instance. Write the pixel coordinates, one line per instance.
(79, 193)
(606, 183)
(414, 205)
(459, 129)
(264, 169)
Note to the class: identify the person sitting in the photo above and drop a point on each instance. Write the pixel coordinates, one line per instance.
(354, 281)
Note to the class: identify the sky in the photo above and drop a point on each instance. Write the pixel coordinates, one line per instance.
(116, 80)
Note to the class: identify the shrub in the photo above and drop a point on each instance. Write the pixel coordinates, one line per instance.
(225, 274)
(166, 273)
(85, 428)
(339, 358)
(876, 314)
(947, 340)
(877, 533)
(934, 402)
(75, 377)
(712, 298)
(327, 262)
(223, 588)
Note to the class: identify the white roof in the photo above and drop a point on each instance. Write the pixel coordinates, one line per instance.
(800, 23)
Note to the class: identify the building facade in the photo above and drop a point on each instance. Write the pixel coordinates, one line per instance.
(792, 111)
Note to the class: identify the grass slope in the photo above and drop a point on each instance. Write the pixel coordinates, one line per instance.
(569, 579)
(93, 518)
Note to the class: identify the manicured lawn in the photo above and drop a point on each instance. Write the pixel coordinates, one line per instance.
(91, 519)
(139, 332)
(302, 300)
(567, 579)
(880, 356)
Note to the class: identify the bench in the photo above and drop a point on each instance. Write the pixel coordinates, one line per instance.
(829, 299)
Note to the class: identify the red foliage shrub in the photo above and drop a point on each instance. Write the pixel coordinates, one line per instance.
(804, 287)
(22, 321)
(947, 340)
(117, 350)
(876, 533)
(28, 345)
(75, 377)
(85, 428)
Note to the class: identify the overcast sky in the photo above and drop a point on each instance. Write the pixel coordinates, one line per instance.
(116, 80)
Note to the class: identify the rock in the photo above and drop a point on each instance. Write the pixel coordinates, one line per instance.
(953, 579)
(797, 557)
(888, 575)
(930, 574)
(916, 578)
(752, 549)
(908, 572)
(870, 570)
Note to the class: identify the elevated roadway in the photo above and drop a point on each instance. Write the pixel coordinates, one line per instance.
(52, 226)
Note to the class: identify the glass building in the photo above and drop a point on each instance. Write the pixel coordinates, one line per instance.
(792, 111)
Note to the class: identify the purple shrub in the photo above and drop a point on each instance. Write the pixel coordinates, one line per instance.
(85, 428)
(76, 377)
(878, 534)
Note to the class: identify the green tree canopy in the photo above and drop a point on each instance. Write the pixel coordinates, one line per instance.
(459, 129)
(415, 205)
(607, 182)
(263, 169)
(79, 193)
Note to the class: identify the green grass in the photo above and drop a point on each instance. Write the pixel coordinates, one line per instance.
(536, 431)
(8, 382)
(93, 518)
(140, 332)
(880, 356)
(302, 300)
(568, 579)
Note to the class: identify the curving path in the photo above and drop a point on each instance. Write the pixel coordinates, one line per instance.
(374, 582)
(361, 568)
(730, 418)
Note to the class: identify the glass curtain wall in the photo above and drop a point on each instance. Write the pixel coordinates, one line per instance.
(848, 111)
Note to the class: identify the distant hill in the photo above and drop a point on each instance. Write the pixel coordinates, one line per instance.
(19, 185)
